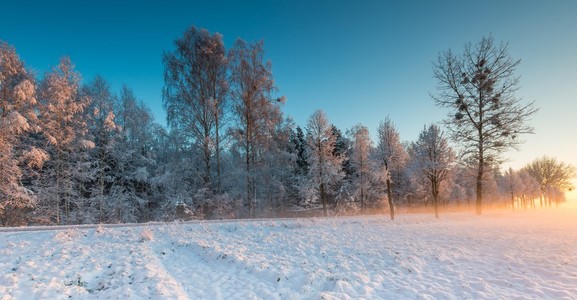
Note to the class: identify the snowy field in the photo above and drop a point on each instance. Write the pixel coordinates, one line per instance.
(500, 255)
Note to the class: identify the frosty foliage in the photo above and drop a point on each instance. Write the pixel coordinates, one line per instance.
(432, 156)
(17, 119)
(74, 152)
(392, 158)
(325, 166)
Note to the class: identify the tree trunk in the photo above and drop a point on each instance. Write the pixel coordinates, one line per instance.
(480, 172)
(362, 200)
(435, 187)
(58, 189)
(248, 181)
(390, 196)
(324, 199)
(512, 201)
(217, 144)
(362, 193)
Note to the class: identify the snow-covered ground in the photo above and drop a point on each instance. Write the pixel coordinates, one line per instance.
(500, 255)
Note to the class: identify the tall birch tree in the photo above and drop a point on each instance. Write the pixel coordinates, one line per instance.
(255, 111)
(194, 94)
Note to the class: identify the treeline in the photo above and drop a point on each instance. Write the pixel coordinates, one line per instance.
(73, 152)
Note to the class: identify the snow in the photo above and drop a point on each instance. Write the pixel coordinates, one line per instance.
(500, 255)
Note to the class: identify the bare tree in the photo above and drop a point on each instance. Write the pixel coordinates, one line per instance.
(256, 113)
(486, 118)
(391, 155)
(552, 176)
(434, 158)
(194, 93)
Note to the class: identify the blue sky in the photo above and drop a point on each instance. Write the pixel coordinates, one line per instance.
(357, 60)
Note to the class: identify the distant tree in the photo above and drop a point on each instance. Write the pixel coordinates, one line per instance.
(391, 156)
(342, 149)
(64, 130)
(433, 157)
(17, 118)
(256, 113)
(361, 162)
(486, 118)
(529, 188)
(325, 167)
(194, 94)
(552, 175)
(511, 185)
(299, 143)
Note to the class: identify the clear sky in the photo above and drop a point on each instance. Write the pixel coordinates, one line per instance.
(359, 61)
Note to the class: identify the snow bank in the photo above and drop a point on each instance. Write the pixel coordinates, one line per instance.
(521, 255)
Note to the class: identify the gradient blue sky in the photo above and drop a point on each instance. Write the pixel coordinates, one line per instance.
(357, 60)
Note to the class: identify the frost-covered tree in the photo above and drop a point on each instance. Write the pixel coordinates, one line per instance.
(552, 175)
(433, 157)
(486, 117)
(194, 95)
(177, 177)
(276, 168)
(511, 185)
(361, 162)
(392, 157)
(256, 113)
(102, 130)
(134, 155)
(529, 188)
(64, 129)
(17, 118)
(325, 166)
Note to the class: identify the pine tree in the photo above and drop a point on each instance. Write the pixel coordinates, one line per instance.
(299, 143)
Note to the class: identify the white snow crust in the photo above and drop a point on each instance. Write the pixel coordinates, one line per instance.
(499, 255)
